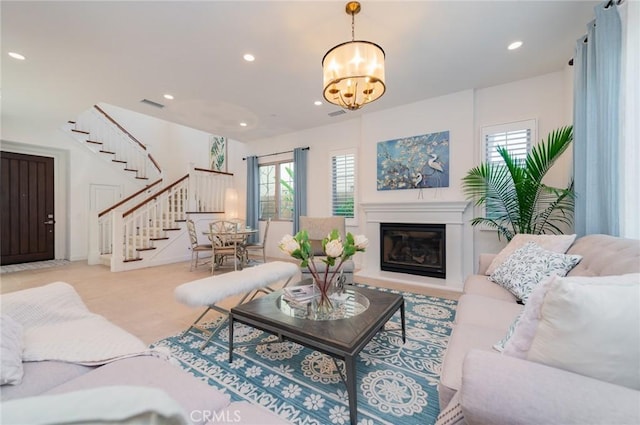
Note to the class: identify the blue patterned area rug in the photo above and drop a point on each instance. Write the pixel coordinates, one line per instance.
(396, 381)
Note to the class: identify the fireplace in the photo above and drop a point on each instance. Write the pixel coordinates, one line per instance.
(412, 248)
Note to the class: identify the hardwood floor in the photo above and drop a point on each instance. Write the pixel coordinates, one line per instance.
(141, 301)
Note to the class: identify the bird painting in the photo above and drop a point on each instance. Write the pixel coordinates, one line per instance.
(435, 164)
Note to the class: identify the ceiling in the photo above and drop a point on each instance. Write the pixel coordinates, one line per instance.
(82, 53)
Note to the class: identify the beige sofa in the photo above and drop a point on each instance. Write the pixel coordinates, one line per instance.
(136, 379)
(492, 388)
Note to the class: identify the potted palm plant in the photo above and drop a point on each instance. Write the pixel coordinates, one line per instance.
(516, 199)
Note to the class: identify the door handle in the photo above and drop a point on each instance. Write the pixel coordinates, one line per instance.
(50, 222)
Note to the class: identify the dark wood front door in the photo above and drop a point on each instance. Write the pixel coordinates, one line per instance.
(26, 211)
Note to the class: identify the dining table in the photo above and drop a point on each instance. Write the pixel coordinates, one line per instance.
(231, 237)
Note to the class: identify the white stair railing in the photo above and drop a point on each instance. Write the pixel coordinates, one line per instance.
(108, 138)
(158, 216)
(209, 188)
(105, 218)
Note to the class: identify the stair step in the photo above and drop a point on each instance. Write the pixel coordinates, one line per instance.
(119, 161)
(71, 122)
(79, 131)
(109, 152)
(128, 260)
(159, 239)
(142, 178)
(151, 248)
(130, 169)
(95, 142)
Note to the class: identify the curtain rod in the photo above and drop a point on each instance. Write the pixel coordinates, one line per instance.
(277, 153)
(606, 6)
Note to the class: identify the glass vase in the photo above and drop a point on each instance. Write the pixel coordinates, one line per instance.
(322, 304)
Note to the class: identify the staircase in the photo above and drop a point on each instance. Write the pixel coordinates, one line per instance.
(101, 134)
(148, 227)
(153, 232)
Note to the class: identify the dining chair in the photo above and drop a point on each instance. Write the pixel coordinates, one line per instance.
(196, 247)
(319, 228)
(225, 242)
(259, 246)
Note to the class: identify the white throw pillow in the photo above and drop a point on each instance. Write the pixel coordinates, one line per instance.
(518, 343)
(555, 243)
(11, 344)
(591, 326)
(529, 266)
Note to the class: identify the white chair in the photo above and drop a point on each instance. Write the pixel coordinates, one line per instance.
(259, 246)
(196, 248)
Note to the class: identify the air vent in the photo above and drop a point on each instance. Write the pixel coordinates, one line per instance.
(152, 103)
(336, 113)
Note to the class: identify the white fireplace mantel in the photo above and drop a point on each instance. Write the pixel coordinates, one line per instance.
(459, 239)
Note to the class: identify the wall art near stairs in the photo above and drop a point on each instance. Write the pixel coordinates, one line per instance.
(218, 153)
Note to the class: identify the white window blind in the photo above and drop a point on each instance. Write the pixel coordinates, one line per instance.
(343, 185)
(517, 138)
(517, 142)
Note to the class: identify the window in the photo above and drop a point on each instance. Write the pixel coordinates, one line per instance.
(516, 137)
(343, 184)
(276, 190)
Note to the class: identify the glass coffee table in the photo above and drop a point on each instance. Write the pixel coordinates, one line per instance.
(362, 313)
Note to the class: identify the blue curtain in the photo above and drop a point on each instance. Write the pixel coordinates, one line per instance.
(300, 185)
(596, 124)
(253, 195)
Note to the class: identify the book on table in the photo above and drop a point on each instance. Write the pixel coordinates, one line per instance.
(299, 294)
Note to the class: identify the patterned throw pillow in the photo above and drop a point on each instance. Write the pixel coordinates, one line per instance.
(555, 243)
(499, 346)
(523, 270)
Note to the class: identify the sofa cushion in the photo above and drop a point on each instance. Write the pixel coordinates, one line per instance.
(42, 376)
(605, 255)
(147, 371)
(123, 405)
(501, 390)
(481, 285)
(244, 413)
(463, 338)
(591, 326)
(555, 243)
(486, 312)
(529, 266)
(11, 345)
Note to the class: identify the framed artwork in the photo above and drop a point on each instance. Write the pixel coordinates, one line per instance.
(415, 162)
(218, 153)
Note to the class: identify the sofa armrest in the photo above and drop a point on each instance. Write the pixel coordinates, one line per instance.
(498, 389)
(484, 262)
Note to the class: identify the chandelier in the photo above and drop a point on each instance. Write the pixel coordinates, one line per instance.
(353, 72)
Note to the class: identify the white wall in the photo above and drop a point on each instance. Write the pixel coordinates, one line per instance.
(545, 98)
(548, 99)
(172, 145)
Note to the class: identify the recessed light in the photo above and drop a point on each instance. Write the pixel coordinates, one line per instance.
(243, 124)
(168, 96)
(17, 56)
(249, 57)
(317, 103)
(514, 45)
